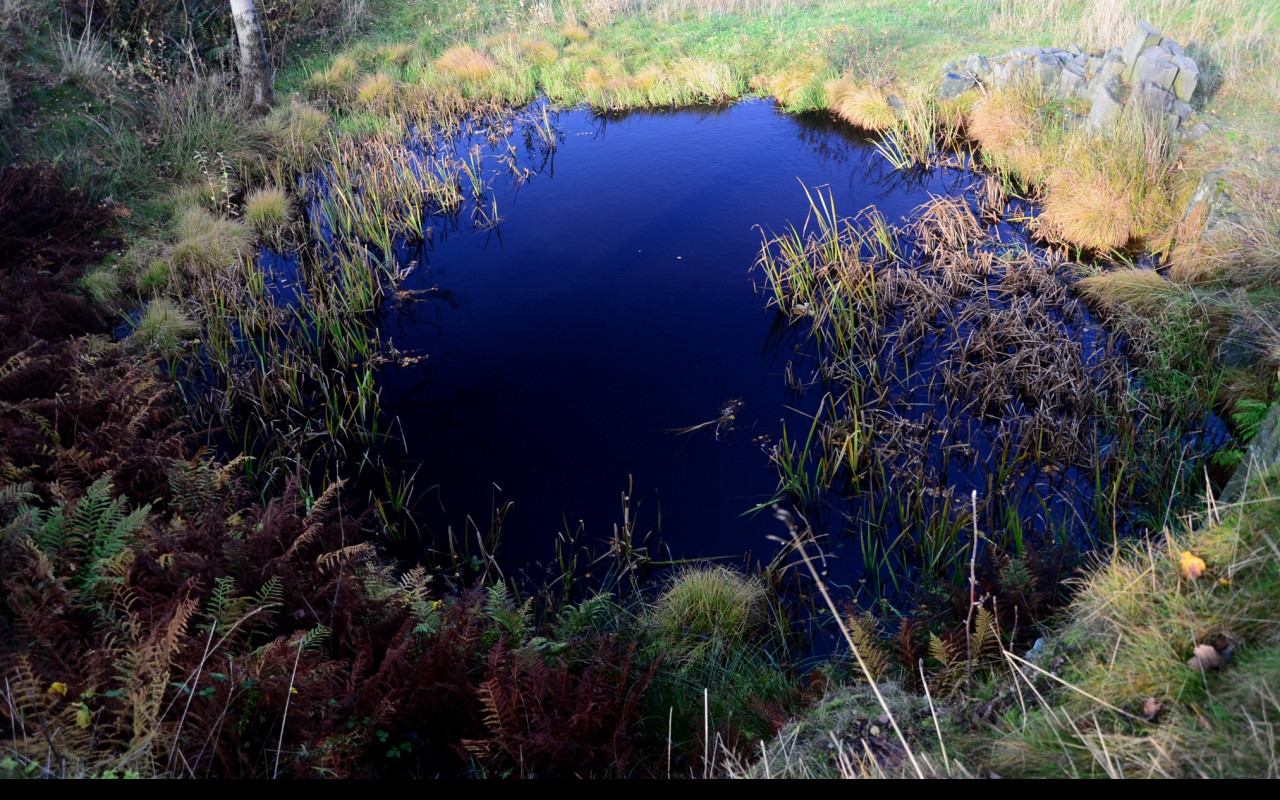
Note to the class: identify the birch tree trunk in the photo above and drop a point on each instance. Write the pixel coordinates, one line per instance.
(256, 76)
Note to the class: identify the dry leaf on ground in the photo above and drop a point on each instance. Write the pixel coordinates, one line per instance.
(1150, 709)
(1205, 657)
(1192, 566)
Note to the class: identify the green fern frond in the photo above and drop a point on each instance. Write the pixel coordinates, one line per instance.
(270, 594)
(1249, 418)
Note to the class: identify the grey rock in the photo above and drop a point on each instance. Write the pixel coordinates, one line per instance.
(1026, 52)
(1144, 62)
(999, 73)
(955, 84)
(1144, 36)
(1183, 110)
(979, 66)
(1072, 81)
(1047, 69)
(1239, 348)
(1094, 63)
(1207, 191)
(1155, 68)
(1274, 150)
(1108, 104)
(896, 103)
(1184, 84)
(1152, 100)
(1074, 49)
(950, 66)
(1197, 131)
(1081, 61)
(1111, 70)
(1172, 46)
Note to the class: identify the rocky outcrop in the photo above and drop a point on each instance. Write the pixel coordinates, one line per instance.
(1151, 74)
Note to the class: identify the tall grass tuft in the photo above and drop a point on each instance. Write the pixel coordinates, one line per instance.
(208, 244)
(335, 82)
(267, 209)
(377, 92)
(164, 328)
(85, 60)
(860, 104)
(467, 65)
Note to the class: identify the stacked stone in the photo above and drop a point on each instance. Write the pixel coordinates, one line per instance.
(1151, 73)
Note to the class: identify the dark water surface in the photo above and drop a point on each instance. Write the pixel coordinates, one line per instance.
(615, 302)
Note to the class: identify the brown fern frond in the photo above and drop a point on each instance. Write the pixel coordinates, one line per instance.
(327, 561)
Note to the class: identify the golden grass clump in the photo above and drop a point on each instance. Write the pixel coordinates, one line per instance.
(336, 81)
(397, 55)
(795, 87)
(266, 209)
(296, 132)
(376, 92)
(710, 603)
(164, 328)
(538, 52)
(1142, 290)
(1007, 126)
(207, 243)
(859, 104)
(575, 33)
(1090, 207)
(466, 64)
(705, 81)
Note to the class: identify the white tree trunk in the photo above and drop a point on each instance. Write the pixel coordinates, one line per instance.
(256, 76)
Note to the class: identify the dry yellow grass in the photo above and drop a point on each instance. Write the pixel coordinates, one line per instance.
(789, 87)
(1089, 207)
(266, 209)
(466, 64)
(376, 92)
(859, 104)
(574, 32)
(538, 52)
(1141, 290)
(398, 55)
(336, 81)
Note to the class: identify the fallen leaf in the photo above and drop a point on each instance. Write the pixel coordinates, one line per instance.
(83, 717)
(1205, 658)
(1192, 566)
(58, 687)
(1150, 709)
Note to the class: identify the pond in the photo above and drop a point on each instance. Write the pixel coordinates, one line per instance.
(586, 331)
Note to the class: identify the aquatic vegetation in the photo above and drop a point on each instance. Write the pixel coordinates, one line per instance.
(1006, 400)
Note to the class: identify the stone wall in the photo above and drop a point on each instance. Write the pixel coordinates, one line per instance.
(1151, 73)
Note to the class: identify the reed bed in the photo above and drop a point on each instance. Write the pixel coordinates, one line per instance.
(951, 363)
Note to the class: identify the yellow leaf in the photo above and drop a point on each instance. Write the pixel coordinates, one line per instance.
(1192, 566)
(58, 687)
(83, 717)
